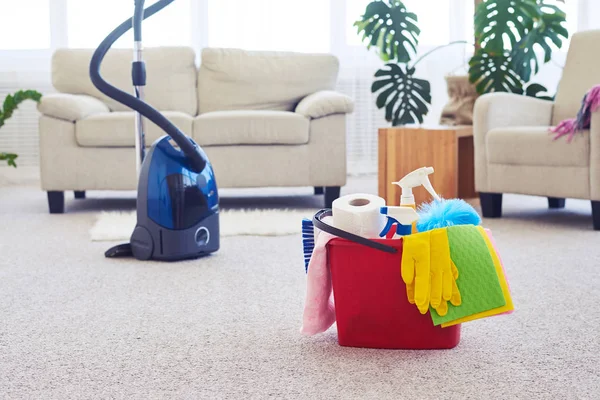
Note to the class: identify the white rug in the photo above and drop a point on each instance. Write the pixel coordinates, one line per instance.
(113, 226)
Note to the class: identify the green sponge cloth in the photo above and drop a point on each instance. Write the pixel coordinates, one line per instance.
(477, 280)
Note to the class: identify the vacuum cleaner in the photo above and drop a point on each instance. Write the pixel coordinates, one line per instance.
(177, 197)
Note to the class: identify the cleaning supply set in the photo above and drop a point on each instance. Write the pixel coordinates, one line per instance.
(410, 290)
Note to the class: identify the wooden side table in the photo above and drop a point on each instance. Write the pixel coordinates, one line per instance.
(448, 149)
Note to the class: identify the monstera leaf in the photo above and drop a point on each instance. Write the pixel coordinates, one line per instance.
(388, 26)
(547, 29)
(508, 33)
(493, 73)
(404, 97)
(500, 19)
(536, 90)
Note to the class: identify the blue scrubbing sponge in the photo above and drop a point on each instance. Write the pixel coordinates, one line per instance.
(443, 213)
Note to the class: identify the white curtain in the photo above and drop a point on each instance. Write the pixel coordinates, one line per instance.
(31, 29)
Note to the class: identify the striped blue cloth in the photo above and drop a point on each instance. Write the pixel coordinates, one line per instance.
(308, 241)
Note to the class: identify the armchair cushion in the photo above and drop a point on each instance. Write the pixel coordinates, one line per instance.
(534, 146)
(71, 107)
(323, 103)
(117, 129)
(503, 110)
(220, 128)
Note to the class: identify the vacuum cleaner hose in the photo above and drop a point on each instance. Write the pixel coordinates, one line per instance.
(197, 161)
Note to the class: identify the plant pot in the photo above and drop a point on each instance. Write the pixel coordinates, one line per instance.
(462, 95)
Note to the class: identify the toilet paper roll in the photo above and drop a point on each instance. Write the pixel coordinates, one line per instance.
(359, 214)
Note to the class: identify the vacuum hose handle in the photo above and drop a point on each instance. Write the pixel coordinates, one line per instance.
(197, 161)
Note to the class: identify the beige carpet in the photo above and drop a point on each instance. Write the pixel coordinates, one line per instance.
(76, 325)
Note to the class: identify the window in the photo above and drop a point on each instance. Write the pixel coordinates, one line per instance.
(89, 22)
(25, 25)
(275, 25)
(469, 27)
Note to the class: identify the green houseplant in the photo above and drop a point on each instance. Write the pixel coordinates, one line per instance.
(11, 102)
(392, 30)
(513, 38)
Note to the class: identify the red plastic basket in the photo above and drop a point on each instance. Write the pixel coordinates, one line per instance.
(371, 306)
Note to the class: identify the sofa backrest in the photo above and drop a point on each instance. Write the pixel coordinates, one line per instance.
(580, 73)
(234, 79)
(171, 76)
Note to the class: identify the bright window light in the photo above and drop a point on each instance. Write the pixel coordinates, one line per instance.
(24, 24)
(270, 25)
(89, 22)
(470, 21)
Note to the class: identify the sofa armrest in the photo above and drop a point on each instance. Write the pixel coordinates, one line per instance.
(71, 107)
(497, 110)
(323, 103)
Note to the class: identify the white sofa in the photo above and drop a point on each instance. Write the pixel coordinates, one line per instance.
(515, 153)
(263, 118)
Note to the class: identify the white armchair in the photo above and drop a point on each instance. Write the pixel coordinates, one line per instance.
(516, 153)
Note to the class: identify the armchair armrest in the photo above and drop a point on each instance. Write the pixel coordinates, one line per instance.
(71, 107)
(498, 110)
(323, 103)
(595, 156)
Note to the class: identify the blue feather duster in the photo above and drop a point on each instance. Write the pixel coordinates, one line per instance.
(443, 213)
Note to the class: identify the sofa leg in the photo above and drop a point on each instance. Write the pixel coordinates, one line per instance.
(56, 202)
(331, 193)
(80, 194)
(596, 214)
(318, 189)
(556, 202)
(491, 204)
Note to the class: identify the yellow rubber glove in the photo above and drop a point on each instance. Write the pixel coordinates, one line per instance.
(443, 273)
(455, 298)
(415, 269)
(441, 267)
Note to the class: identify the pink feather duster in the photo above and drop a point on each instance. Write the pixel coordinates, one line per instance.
(569, 127)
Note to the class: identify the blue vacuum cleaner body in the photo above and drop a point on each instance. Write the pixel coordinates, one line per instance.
(177, 207)
(177, 200)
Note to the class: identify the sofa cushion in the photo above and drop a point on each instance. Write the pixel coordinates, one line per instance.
(250, 127)
(233, 79)
(117, 129)
(171, 71)
(536, 146)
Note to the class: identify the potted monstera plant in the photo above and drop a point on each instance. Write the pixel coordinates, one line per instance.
(513, 38)
(391, 29)
(11, 102)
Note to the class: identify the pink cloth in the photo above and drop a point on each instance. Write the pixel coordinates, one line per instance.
(319, 310)
(569, 127)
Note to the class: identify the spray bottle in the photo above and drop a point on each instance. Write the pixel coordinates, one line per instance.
(419, 177)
